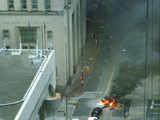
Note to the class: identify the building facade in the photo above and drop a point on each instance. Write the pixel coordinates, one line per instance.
(46, 24)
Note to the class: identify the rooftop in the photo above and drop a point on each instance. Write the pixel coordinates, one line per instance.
(17, 73)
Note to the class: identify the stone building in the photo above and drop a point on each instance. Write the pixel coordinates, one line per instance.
(46, 24)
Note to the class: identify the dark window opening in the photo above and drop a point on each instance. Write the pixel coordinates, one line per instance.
(5, 34)
(47, 4)
(24, 4)
(32, 47)
(8, 47)
(28, 37)
(10, 4)
(50, 39)
(49, 34)
(24, 47)
(34, 4)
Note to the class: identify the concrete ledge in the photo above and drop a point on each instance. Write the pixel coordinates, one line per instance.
(53, 98)
(58, 13)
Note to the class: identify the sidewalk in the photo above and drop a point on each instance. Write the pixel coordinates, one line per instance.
(88, 59)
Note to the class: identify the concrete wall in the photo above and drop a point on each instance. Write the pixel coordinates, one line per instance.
(3, 5)
(76, 32)
(58, 4)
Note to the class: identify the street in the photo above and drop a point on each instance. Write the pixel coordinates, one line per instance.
(127, 64)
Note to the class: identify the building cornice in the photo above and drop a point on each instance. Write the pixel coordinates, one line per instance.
(47, 13)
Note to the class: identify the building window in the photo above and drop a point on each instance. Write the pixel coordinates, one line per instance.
(28, 37)
(24, 4)
(69, 1)
(8, 47)
(11, 4)
(50, 39)
(5, 37)
(49, 35)
(47, 4)
(5, 34)
(34, 4)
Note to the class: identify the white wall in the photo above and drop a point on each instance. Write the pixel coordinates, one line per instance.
(57, 4)
(3, 5)
(54, 23)
(17, 5)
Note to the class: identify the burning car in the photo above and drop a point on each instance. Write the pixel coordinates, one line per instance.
(108, 102)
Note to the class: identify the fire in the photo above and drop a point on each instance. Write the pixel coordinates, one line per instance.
(111, 104)
(108, 103)
(100, 103)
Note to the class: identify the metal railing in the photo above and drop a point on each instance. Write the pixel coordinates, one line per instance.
(4, 51)
(46, 75)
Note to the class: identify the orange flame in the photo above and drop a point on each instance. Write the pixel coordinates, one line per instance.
(108, 103)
